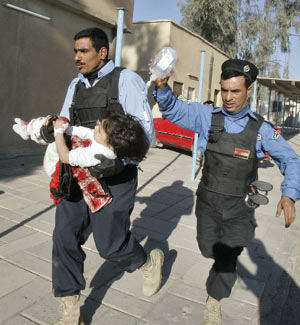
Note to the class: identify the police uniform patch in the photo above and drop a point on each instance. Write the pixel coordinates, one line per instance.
(258, 137)
(275, 135)
(241, 153)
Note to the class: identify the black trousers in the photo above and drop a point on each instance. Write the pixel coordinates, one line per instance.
(225, 225)
(110, 227)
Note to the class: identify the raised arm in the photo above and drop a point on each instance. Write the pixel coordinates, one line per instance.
(192, 116)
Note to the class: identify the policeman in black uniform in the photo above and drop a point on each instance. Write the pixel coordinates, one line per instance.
(234, 138)
(99, 87)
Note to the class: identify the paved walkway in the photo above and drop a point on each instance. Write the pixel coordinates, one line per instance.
(267, 291)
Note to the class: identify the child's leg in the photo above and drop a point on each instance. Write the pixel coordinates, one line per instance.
(21, 128)
(30, 130)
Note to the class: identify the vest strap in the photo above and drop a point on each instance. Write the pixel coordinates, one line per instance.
(217, 127)
(113, 94)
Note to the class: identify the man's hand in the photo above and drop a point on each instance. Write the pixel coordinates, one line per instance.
(48, 119)
(47, 130)
(162, 83)
(107, 167)
(288, 206)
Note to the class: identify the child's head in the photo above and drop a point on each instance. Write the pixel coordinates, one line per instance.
(124, 135)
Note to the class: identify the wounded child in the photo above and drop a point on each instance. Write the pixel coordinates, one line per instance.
(115, 136)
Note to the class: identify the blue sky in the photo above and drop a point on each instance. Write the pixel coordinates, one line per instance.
(156, 9)
(168, 9)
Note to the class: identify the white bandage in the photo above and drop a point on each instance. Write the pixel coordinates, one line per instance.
(61, 130)
(58, 131)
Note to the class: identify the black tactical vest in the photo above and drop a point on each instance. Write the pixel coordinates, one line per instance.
(90, 104)
(230, 158)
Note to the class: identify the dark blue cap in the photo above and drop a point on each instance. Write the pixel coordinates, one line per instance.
(247, 68)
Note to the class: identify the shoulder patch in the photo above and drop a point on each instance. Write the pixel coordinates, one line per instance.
(258, 137)
(275, 135)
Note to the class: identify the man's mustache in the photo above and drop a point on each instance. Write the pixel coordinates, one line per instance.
(79, 62)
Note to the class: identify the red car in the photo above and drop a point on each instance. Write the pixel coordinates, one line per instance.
(173, 135)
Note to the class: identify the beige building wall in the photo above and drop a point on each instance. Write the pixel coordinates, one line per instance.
(37, 57)
(143, 43)
(148, 37)
(189, 46)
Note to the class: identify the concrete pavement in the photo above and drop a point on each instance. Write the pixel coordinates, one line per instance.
(267, 291)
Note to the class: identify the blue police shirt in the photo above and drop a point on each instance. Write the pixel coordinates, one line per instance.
(132, 96)
(197, 118)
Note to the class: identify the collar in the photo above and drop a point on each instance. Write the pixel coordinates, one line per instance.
(244, 111)
(105, 70)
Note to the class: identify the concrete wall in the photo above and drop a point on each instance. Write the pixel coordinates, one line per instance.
(37, 58)
(103, 10)
(142, 44)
